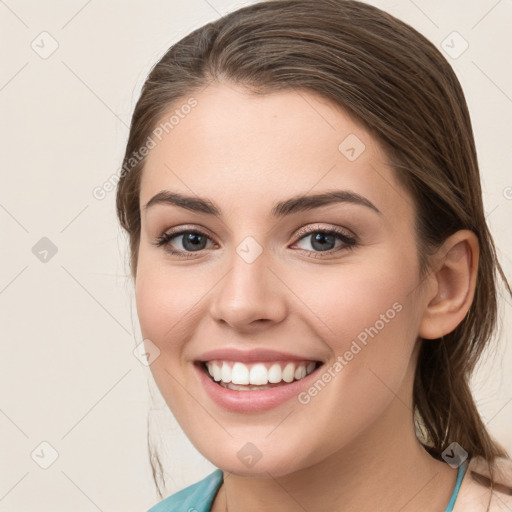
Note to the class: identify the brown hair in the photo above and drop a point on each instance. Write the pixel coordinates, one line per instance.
(399, 86)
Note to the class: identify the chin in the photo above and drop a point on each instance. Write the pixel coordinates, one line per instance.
(258, 459)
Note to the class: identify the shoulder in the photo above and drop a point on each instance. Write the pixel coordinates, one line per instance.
(197, 497)
(475, 494)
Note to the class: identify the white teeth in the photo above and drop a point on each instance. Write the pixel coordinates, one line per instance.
(300, 372)
(217, 372)
(214, 370)
(275, 374)
(239, 374)
(257, 374)
(225, 372)
(289, 372)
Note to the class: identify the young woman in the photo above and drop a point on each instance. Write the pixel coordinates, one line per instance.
(314, 274)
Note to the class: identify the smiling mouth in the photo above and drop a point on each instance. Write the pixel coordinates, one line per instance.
(257, 376)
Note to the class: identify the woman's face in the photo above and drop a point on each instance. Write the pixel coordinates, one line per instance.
(263, 293)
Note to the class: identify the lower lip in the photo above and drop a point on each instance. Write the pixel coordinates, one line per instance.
(252, 401)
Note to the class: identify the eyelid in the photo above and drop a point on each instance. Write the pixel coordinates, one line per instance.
(305, 230)
(180, 231)
(187, 228)
(349, 240)
(313, 228)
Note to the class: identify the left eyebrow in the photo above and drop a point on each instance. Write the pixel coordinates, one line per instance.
(290, 206)
(302, 203)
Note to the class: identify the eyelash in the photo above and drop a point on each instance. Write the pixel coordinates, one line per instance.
(349, 242)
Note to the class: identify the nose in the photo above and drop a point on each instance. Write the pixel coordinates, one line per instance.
(250, 296)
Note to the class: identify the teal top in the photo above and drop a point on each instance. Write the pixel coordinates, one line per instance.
(199, 497)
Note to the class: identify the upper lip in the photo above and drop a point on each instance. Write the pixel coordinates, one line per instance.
(256, 354)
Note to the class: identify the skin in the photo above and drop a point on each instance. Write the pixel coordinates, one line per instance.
(244, 153)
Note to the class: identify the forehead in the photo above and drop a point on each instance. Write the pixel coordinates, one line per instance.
(242, 149)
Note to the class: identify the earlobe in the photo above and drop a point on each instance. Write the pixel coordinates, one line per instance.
(454, 281)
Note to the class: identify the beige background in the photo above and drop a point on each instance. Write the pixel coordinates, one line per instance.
(68, 375)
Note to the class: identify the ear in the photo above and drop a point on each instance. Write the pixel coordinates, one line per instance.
(451, 286)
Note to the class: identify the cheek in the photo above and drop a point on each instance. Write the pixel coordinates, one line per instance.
(162, 302)
(165, 312)
(352, 299)
(166, 298)
(155, 305)
(369, 319)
